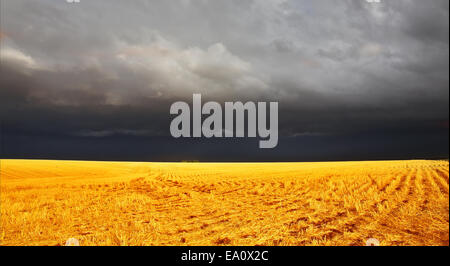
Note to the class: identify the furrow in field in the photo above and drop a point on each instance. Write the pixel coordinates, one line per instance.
(424, 188)
(439, 182)
(405, 192)
(412, 184)
(401, 185)
(443, 173)
(435, 185)
(364, 187)
(395, 183)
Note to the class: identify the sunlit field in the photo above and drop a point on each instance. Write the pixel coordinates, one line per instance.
(125, 203)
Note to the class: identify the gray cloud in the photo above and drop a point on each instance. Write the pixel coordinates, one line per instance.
(101, 68)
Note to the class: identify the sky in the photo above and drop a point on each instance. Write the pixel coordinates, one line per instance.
(95, 80)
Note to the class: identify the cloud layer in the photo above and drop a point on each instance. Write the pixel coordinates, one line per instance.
(112, 68)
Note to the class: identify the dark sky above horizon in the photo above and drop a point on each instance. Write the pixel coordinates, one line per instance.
(95, 80)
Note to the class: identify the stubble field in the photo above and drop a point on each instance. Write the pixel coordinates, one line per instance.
(127, 203)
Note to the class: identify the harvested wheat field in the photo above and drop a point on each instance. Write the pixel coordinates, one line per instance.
(126, 203)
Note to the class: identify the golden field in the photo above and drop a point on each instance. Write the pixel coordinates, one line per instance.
(128, 203)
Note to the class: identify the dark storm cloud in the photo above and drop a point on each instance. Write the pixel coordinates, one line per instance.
(112, 68)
